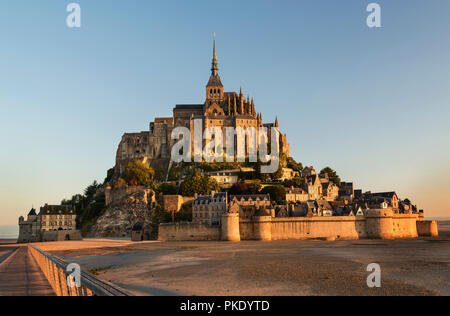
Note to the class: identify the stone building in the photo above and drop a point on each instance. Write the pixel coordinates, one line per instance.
(347, 191)
(294, 195)
(251, 205)
(289, 174)
(376, 199)
(313, 186)
(208, 209)
(220, 109)
(57, 217)
(173, 203)
(29, 229)
(225, 178)
(53, 223)
(330, 191)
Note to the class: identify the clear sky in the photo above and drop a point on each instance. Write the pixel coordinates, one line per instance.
(374, 104)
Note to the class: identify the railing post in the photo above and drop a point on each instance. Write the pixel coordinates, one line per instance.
(54, 270)
(63, 282)
(57, 281)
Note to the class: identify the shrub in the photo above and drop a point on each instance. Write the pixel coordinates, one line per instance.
(139, 173)
(197, 184)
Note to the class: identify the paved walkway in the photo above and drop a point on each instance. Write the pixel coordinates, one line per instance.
(21, 276)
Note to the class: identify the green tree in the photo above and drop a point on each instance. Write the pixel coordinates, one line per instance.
(109, 175)
(332, 175)
(254, 187)
(295, 182)
(239, 188)
(90, 191)
(197, 184)
(139, 173)
(277, 194)
(278, 174)
(296, 166)
(168, 189)
(120, 183)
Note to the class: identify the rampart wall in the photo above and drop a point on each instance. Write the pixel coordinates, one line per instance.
(376, 224)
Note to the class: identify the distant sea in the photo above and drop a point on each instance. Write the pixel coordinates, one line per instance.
(9, 232)
(439, 219)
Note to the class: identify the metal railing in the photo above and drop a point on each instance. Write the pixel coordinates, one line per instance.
(55, 270)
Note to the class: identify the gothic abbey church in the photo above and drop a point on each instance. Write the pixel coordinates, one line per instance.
(220, 109)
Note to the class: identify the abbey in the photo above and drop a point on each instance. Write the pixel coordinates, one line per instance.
(220, 109)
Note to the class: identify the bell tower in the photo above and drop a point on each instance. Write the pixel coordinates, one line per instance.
(214, 88)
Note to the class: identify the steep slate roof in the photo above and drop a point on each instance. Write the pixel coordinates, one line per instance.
(32, 212)
(324, 205)
(389, 195)
(207, 199)
(312, 179)
(56, 209)
(248, 197)
(214, 81)
(189, 107)
(295, 191)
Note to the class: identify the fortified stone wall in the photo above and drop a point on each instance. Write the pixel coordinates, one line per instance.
(377, 224)
(427, 228)
(173, 203)
(188, 232)
(61, 235)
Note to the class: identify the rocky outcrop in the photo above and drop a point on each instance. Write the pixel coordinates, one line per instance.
(123, 213)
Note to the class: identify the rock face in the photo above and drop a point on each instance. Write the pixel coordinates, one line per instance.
(123, 213)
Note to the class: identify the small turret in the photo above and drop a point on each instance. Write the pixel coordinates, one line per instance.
(253, 108)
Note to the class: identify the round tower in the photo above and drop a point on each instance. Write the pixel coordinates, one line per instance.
(230, 227)
(263, 227)
(379, 223)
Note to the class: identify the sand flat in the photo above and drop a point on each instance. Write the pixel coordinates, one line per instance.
(409, 267)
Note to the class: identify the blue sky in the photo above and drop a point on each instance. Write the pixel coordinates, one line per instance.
(374, 104)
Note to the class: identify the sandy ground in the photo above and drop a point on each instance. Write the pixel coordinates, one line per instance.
(409, 267)
(88, 243)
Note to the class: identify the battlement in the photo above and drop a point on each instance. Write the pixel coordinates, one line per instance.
(377, 224)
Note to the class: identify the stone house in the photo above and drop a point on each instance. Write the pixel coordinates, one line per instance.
(294, 195)
(225, 178)
(289, 174)
(308, 171)
(390, 197)
(330, 191)
(30, 229)
(313, 186)
(57, 217)
(208, 209)
(251, 205)
(53, 223)
(347, 191)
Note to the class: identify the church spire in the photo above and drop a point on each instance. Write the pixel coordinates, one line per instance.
(215, 67)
